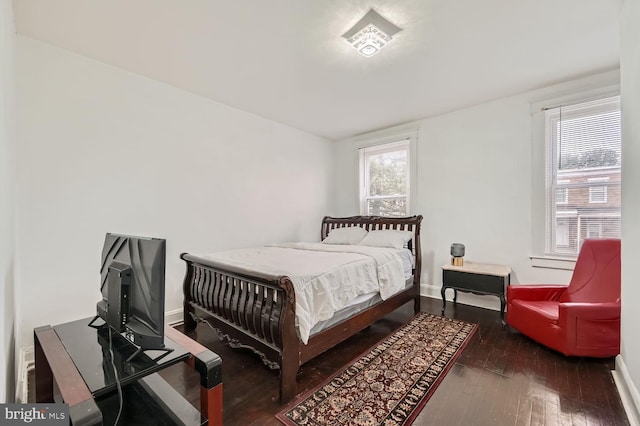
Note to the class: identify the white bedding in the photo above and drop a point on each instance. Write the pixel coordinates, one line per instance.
(326, 277)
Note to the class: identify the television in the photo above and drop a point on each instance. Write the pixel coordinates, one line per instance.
(132, 285)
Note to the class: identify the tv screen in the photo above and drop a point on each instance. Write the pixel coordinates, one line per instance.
(132, 286)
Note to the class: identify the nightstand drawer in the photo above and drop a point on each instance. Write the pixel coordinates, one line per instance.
(474, 282)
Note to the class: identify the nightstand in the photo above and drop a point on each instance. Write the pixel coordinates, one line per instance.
(477, 278)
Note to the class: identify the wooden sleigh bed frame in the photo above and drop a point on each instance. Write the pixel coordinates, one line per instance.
(257, 311)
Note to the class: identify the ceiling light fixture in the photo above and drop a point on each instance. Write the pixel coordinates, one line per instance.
(370, 34)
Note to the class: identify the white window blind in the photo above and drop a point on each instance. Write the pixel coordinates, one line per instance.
(583, 179)
(385, 179)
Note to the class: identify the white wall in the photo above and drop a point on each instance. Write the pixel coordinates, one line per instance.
(630, 81)
(475, 187)
(103, 150)
(7, 205)
(472, 166)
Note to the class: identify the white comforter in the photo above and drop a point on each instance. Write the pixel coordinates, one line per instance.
(326, 277)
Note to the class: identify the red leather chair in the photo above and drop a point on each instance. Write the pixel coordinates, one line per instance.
(582, 319)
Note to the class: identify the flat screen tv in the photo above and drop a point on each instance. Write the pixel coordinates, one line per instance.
(132, 285)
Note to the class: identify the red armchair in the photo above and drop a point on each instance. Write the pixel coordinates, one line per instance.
(582, 319)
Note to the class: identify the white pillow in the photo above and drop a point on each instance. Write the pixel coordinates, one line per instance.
(348, 235)
(387, 238)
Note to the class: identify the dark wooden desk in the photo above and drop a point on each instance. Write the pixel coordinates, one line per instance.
(477, 278)
(73, 365)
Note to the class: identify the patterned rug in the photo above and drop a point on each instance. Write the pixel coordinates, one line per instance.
(389, 384)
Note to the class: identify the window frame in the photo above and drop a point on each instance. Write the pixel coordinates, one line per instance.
(365, 153)
(551, 184)
(584, 90)
(395, 136)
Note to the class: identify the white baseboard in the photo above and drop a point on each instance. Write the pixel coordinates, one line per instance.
(26, 363)
(481, 301)
(173, 318)
(628, 391)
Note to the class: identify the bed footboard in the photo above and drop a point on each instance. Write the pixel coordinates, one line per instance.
(253, 311)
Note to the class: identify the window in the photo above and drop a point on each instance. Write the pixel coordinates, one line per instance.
(583, 158)
(597, 194)
(562, 192)
(385, 179)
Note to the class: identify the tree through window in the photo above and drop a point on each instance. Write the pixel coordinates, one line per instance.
(385, 179)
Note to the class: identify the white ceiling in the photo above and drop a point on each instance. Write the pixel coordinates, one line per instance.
(286, 60)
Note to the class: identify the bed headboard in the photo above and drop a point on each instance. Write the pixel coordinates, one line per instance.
(374, 223)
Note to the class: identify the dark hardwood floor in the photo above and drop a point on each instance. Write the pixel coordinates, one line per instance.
(501, 378)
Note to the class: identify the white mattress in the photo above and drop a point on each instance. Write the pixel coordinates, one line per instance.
(326, 277)
(358, 305)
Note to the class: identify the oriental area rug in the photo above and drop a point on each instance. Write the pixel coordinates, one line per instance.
(389, 384)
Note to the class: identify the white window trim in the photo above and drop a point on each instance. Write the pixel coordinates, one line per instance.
(584, 90)
(551, 262)
(402, 145)
(402, 133)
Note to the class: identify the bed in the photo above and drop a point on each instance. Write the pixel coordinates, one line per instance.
(256, 309)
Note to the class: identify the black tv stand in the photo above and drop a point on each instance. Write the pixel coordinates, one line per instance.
(74, 365)
(140, 349)
(92, 325)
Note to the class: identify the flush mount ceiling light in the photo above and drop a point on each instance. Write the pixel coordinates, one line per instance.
(370, 34)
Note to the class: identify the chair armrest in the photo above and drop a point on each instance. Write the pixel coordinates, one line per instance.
(535, 292)
(591, 329)
(589, 311)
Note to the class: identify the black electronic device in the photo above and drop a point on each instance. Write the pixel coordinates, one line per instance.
(132, 286)
(118, 287)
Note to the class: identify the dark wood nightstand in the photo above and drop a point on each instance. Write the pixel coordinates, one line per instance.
(477, 278)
